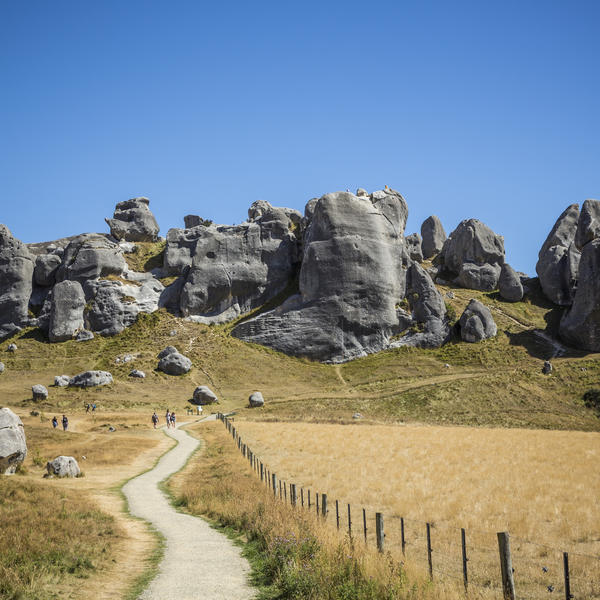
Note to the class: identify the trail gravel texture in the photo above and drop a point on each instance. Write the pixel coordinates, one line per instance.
(198, 562)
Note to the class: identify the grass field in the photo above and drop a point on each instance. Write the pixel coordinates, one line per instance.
(538, 485)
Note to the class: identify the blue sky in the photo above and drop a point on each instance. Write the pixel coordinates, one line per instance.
(469, 109)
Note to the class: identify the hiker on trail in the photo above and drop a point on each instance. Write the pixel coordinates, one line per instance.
(199, 410)
(65, 422)
(173, 418)
(94, 407)
(154, 419)
(87, 407)
(168, 418)
(55, 422)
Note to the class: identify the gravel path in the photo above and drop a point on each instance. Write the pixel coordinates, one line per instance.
(199, 562)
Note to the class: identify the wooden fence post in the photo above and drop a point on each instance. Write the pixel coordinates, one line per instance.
(317, 502)
(293, 498)
(429, 562)
(402, 538)
(308, 494)
(262, 473)
(285, 491)
(349, 522)
(568, 595)
(365, 524)
(463, 543)
(274, 481)
(379, 531)
(280, 490)
(324, 505)
(508, 582)
(302, 496)
(337, 514)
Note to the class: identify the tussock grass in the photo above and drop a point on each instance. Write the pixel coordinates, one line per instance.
(50, 538)
(538, 485)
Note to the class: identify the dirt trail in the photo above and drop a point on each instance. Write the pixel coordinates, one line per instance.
(198, 561)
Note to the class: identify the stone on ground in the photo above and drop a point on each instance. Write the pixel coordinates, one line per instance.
(39, 392)
(63, 466)
(256, 400)
(13, 446)
(91, 379)
(509, 284)
(204, 395)
(477, 323)
(174, 364)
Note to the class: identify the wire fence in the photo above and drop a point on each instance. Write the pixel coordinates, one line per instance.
(503, 565)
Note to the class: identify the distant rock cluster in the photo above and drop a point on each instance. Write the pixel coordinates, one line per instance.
(343, 277)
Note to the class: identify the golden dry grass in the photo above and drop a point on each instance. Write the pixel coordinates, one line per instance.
(541, 486)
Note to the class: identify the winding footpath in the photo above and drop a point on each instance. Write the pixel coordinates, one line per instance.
(198, 562)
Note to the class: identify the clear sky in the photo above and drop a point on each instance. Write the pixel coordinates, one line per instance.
(469, 109)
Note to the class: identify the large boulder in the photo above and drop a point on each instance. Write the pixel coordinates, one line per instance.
(433, 237)
(13, 447)
(413, 247)
(1, 367)
(230, 270)
(174, 364)
(16, 283)
(558, 259)
(90, 256)
(168, 350)
(256, 400)
(204, 395)
(476, 323)
(588, 225)
(352, 277)
(63, 466)
(133, 221)
(46, 266)
(67, 302)
(580, 325)
(91, 379)
(509, 284)
(473, 255)
(39, 392)
(61, 380)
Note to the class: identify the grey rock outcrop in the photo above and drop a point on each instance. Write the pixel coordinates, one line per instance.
(133, 221)
(174, 364)
(230, 270)
(477, 323)
(12, 347)
(45, 269)
(91, 379)
(558, 259)
(433, 237)
(168, 350)
(13, 446)
(473, 255)
(63, 466)
(67, 302)
(413, 247)
(509, 284)
(580, 325)
(547, 368)
(16, 283)
(84, 336)
(62, 380)
(351, 279)
(137, 374)
(39, 392)
(256, 400)
(204, 395)
(90, 256)
(588, 225)
(2, 367)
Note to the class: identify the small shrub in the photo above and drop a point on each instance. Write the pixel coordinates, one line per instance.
(591, 399)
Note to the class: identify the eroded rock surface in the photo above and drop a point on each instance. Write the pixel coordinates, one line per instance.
(204, 395)
(63, 466)
(13, 446)
(91, 379)
(133, 221)
(66, 311)
(509, 284)
(477, 323)
(433, 237)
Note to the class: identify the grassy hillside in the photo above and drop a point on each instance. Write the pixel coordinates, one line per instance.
(497, 382)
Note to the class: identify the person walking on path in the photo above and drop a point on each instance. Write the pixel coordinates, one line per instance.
(54, 422)
(173, 420)
(65, 422)
(154, 419)
(87, 407)
(199, 409)
(168, 418)
(94, 407)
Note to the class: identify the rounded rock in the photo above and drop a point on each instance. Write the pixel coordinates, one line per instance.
(63, 466)
(61, 380)
(204, 395)
(256, 400)
(39, 392)
(13, 447)
(174, 364)
(137, 373)
(91, 379)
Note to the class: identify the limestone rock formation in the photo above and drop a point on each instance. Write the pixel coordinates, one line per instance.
(90, 256)
(558, 259)
(2, 367)
(413, 247)
(66, 311)
(473, 255)
(477, 323)
(433, 236)
(39, 392)
(16, 283)
(588, 226)
(63, 466)
(45, 269)
(174, 364)
(352, 276)
(13, 446)
(137, 374)
(62, 380)
(84, 336)
(12, 347)
(133, 221)
(204, 395)
(168, 350)
(580, 325)
(256, 400)
(509, 284)
(91, 379)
